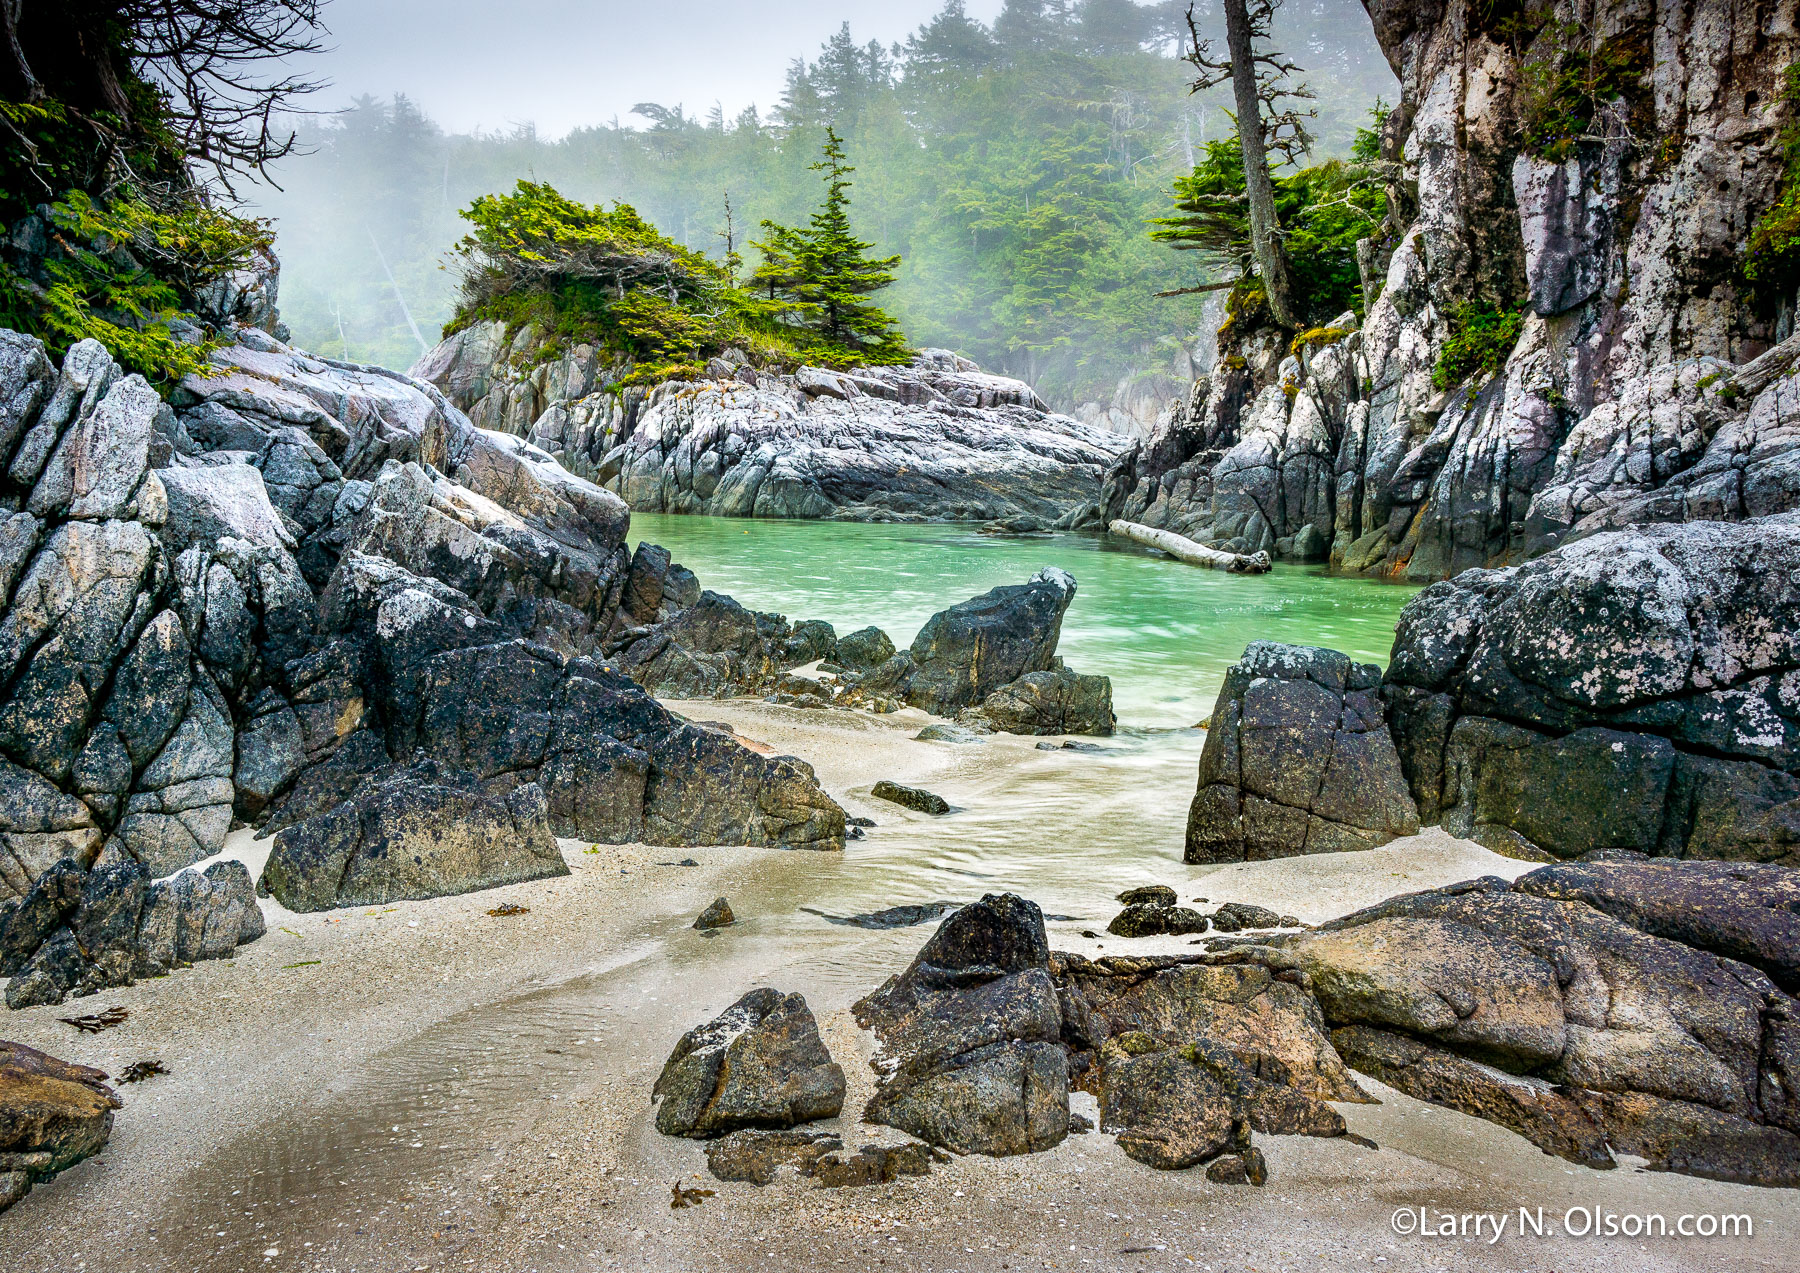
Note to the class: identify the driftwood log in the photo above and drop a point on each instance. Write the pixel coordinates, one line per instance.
(1183, 549)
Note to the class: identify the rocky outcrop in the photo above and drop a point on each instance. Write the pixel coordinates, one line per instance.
(1298, 759)
(1632, 393)
(760, 1063)
(76, 932)
(1585, 1034)
(715, 648)
(52, 1115)
(261, 598)
(1637, 691)
(969, 1035)
(937, 441)
(1055, 701)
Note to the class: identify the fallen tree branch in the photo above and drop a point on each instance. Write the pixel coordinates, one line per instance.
(1183, 549)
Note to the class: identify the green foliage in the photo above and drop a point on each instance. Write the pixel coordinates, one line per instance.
(106, 235)
(608, 277)
(1771, 263)
(1012, 165)
(1565, 90)
(1481, 338)
(824, 271)
(1323, 210)
(124, 273)
(1367, 146)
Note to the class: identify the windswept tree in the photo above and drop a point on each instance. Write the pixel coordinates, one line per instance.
(824, 272)
(122, 123)
(1267, 125)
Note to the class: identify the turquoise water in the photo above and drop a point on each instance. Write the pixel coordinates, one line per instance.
(1164, 632)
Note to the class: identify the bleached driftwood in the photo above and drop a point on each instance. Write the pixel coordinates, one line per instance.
(1182, 548)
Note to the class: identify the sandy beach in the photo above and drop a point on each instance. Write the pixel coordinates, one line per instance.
(428, 1086)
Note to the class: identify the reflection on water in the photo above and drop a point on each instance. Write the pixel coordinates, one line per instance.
(1163, 632)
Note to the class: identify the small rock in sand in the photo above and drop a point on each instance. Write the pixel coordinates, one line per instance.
(1148, 895)
(718, 915)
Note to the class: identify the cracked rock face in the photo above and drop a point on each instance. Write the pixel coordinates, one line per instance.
(937, 441)
(257, 601)
(970, 1057)
(1614, 408)
(1639, 691)
(1530, 1006)
(1298, 759)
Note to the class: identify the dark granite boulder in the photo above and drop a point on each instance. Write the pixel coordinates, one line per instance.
(410, 832)
(914, 798)
(970, 1058)
(1639, 691)
(760, 1063)
(862, 651)
(1172, 1107)
(965, 653)
(1297, 760)
(1148, 919)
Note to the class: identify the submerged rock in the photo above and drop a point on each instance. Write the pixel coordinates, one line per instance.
(911, 797)
(760, 1063)
(893, 916)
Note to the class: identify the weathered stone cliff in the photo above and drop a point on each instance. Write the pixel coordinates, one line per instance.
(939, 440)
(313, 597)
(1612, 219)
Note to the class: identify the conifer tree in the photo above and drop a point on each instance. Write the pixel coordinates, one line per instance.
(824, 272)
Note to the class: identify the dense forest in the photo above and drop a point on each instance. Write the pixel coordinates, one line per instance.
(1013, 167)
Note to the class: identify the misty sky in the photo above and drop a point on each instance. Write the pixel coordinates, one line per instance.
(563, 63)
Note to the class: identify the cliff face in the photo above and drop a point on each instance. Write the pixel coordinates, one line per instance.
(1612, 219)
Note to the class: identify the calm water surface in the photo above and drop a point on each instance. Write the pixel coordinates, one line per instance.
(1164, 632)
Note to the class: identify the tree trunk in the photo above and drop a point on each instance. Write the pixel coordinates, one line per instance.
(1265, 226)
(1181, 548)
(19, 83)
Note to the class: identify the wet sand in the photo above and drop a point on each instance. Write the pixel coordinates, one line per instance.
(447, 1089)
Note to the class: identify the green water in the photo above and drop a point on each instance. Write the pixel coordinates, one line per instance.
(1164, 632)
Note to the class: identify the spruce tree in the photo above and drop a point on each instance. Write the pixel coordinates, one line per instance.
(823, 271)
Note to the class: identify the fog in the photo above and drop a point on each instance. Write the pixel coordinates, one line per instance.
(1012, 152)
(563, 64)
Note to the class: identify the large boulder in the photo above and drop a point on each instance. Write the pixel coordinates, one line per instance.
(1636, 691)
(760, 1063)
(52, 1115)
(965, 653)
(1526, 1004)
(1298, 759)
(411, 832)
(969, 1035)
(715, 648)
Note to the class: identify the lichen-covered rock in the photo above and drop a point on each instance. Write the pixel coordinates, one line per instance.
(969, 1054)
(760, 1063)
(1054, 701)
(1639, 690)
(1172, 1108)
(938, 440)
(52, 1115)
(1298, 759)
(1604, 1035)
(862, 651)
(1150, 919)
(413, 832)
